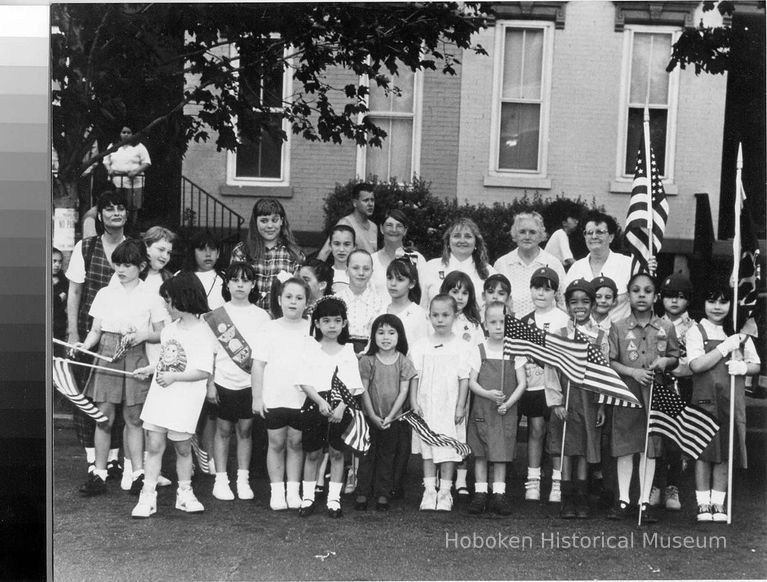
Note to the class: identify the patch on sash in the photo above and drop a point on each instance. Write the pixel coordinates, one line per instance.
(632, 346)
(630, 335)
(633, 356)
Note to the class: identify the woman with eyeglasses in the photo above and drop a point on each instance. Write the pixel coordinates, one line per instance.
(394, 229)
(528, 232)
(599, 232)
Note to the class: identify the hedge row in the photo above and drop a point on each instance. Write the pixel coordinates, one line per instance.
(431, 215)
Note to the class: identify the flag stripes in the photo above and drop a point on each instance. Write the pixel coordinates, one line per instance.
(565, 354)
(203, 460)
(689, 426)
(647, 192)
(582, 363)
(357, 434)
(432, 438)
(65, 383)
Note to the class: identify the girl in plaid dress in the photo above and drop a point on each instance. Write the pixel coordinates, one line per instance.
(270, 247)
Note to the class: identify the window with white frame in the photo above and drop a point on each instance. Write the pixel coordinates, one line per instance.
(645, 81)
(521, 97)
(264, 161)
(400, 117)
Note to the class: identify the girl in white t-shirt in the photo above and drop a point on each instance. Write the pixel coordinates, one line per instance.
(177, 392)
(279, 364)
(235, 325)
(468, 325)
(405, 292)
(125, 312)
(323, 425)
(202, 258)
(343, 240)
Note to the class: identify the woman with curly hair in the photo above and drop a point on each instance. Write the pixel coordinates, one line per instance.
(463, 249)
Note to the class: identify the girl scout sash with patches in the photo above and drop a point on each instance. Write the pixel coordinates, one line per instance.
(230, 338)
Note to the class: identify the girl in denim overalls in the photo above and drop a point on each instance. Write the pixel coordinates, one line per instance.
(714, 356)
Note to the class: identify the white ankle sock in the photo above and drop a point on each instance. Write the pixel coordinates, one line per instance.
(460, 478)
(499, 487)
(445, 484)
(334, 491)
(114, 454)
(90, 455)
(308, 489)
(703, 497)
(556, 475)
(533, 472)
(243, 475)
(717, 497)
(480, 487)
(430, 483)
(293, 488)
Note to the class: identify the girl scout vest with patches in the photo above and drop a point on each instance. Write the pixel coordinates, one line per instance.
(230, 338)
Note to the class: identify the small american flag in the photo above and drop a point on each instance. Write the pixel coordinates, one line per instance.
(691, 427)
(203, 461)
(65, 383)
(432, 438)
(645, 191)
(582, 363)
(357, 434)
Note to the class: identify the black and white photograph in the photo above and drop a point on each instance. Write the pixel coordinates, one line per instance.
(408, 290)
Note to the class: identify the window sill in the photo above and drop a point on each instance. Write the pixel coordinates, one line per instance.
(625, 186)
(265, 191)
(517, 181)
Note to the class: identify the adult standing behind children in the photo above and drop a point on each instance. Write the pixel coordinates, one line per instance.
(559, 241)
(600, 230)
(394, 227)
(126, 167)
(89, 270)
(528, 232)
(366, 231)
(463, 249)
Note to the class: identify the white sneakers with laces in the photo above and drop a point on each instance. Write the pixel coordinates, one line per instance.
(429, 500)
(186, 501)
(146, 506)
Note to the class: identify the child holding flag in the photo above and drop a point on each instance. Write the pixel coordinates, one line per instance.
(583, 422)
(715, 355)
(640, 345)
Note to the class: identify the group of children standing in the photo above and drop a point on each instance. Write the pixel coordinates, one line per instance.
(328, 323)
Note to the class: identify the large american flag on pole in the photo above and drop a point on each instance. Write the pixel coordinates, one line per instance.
(691, 427)
(357, 434)
(646, 190)
(746, 269)
(431, 438)
(582, 363)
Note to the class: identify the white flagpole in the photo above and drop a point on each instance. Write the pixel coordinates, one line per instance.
(76, 363)
(736, 250)
(564, 431)
(648, 173)
(643, 468)
(74, 347)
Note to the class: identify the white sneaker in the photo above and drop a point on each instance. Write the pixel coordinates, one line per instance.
(163, 481)
(444, 501)
(654, 497)
(533, 490)
(146, 506)
(293, 501)
(278, 503)
(429, 500)
(243, 489)
(555, 495)
(671, 494)
(222, 491)
(186, 501)
(127, 479)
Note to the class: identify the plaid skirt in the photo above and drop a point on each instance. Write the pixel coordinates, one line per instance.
(118, 388)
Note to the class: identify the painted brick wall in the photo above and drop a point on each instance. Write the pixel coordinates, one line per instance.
(583, 134)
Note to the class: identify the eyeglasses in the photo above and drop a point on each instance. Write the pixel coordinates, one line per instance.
(598, 232)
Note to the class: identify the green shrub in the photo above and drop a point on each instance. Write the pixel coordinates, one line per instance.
(431, 215)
